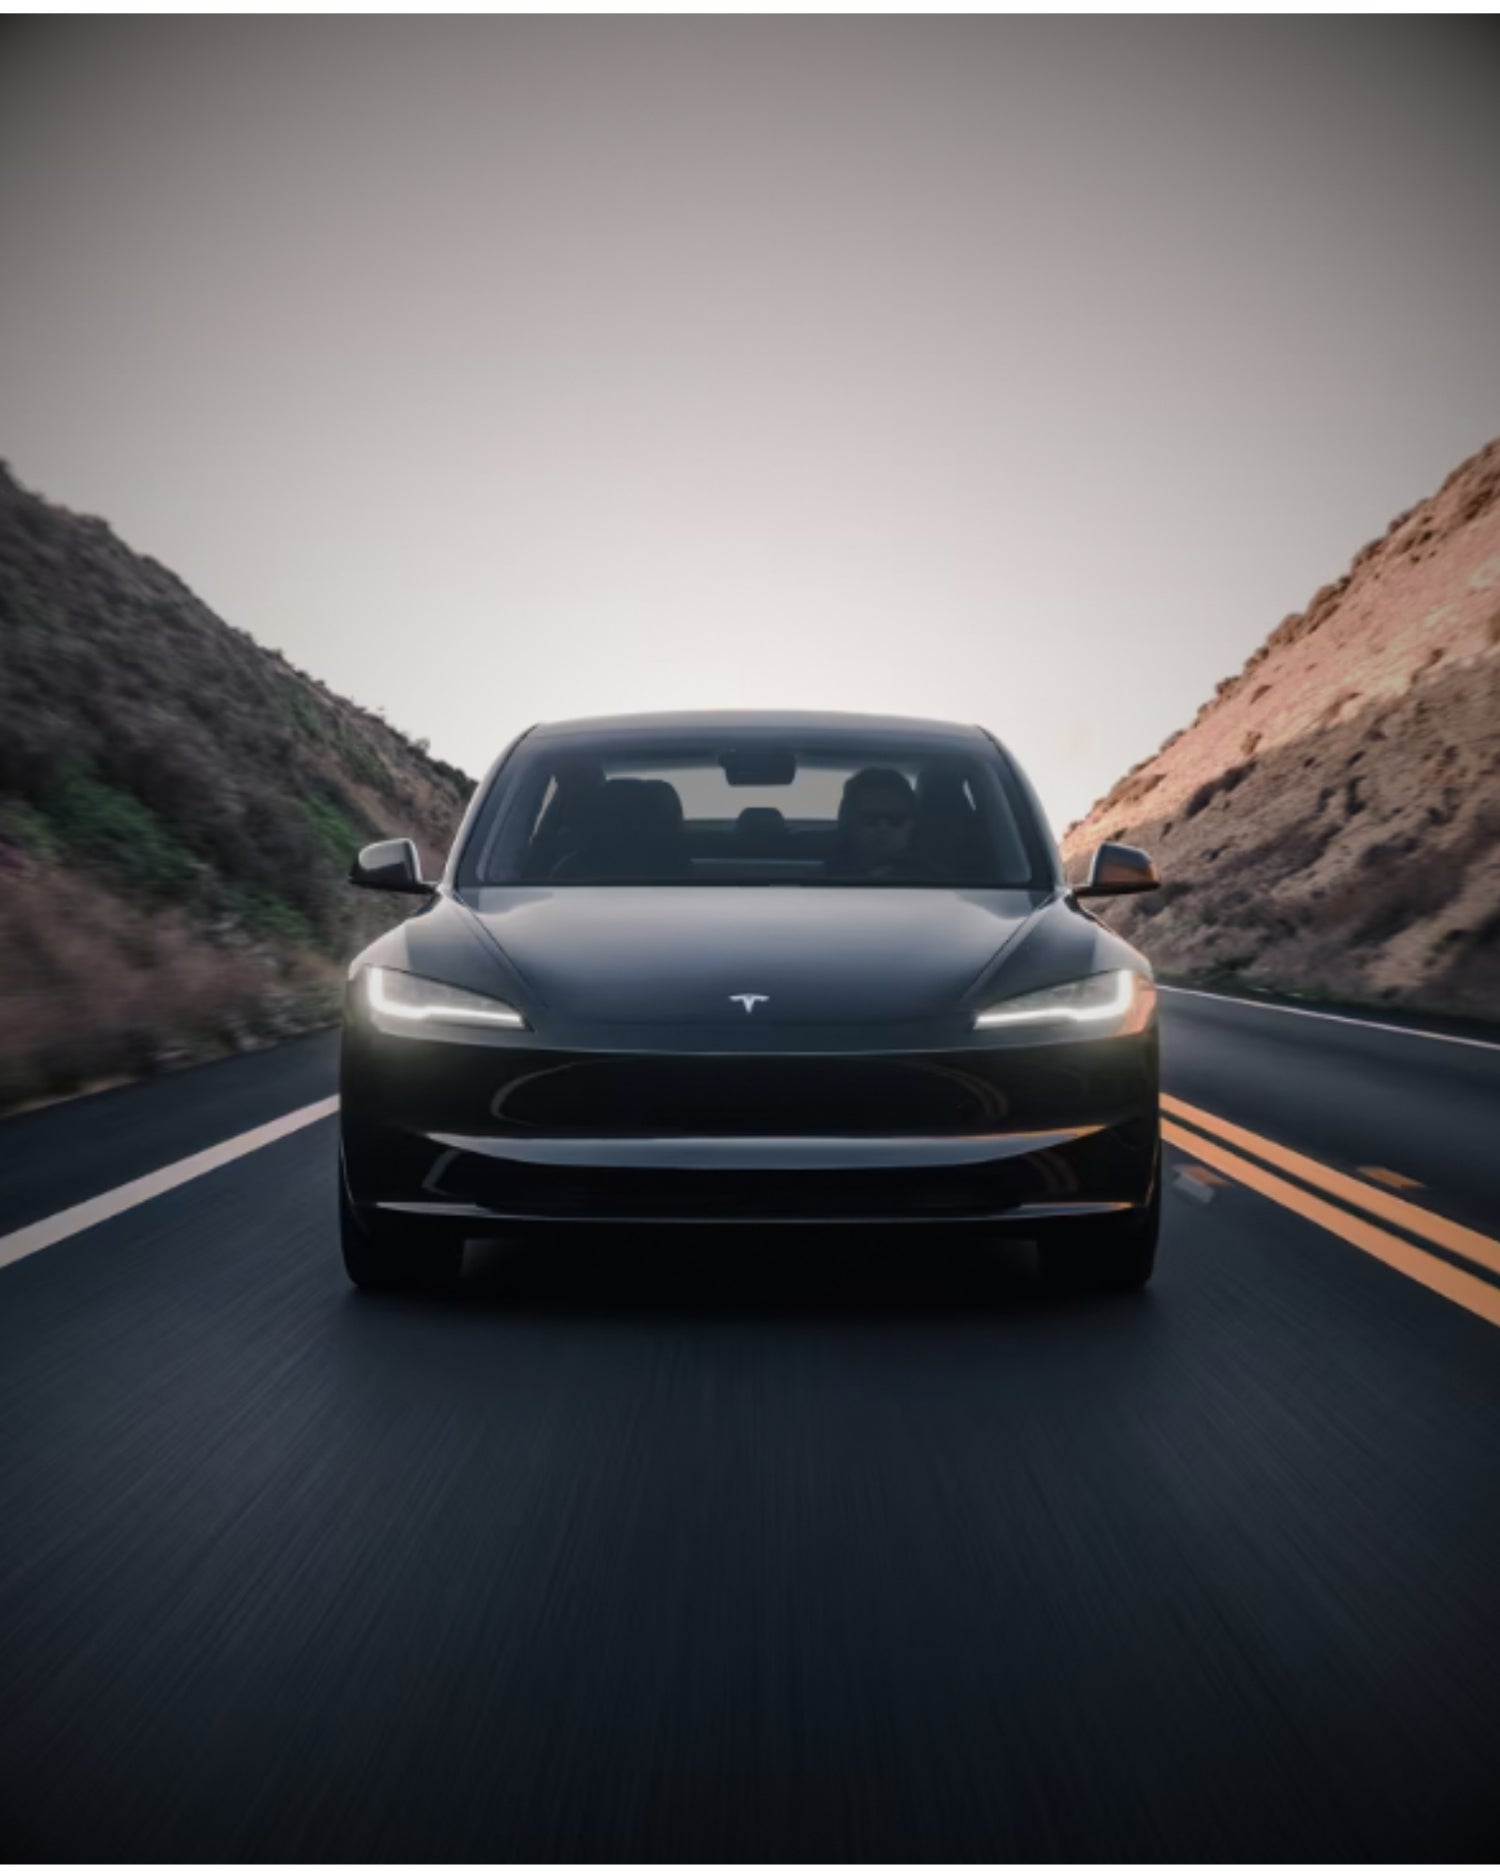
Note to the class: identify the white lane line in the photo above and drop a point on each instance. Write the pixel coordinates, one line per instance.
(51, 1230)
(1322, 1015)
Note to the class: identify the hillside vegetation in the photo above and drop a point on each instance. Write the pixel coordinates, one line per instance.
(178, 809)
(1329, 824)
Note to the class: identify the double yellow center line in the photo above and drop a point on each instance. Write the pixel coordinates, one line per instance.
(1211, 1140)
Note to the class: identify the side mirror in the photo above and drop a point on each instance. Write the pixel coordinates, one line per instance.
(390, 866)
(1117, 870)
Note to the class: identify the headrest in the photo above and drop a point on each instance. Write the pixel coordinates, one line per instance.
(760, 826)
(627, 807)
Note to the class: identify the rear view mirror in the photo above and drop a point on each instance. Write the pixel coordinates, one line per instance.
(759, 768)
(390, 866)
(1117, 870)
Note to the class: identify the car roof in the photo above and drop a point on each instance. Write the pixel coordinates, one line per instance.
(690, 723)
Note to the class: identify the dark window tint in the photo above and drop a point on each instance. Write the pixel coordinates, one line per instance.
(615, 809)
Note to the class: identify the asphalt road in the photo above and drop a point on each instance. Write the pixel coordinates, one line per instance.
(732, 1545)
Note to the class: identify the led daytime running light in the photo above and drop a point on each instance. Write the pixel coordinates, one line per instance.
(381, 1000)
(1117, 1006)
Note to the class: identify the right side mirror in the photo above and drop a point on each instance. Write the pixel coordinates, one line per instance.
(390, 866)
(1117, 870)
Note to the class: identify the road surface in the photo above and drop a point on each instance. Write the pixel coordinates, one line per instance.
(707, 1545)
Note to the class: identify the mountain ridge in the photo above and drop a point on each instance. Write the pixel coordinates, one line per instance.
(1329, 822)
(178, 808)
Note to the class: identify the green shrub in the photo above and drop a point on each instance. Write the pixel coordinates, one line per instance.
(102, 826)
(360, 758)
(25, 826)
(303, 711)
(337, 834)
(266, 916)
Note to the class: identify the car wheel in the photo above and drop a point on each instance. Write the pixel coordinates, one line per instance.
(385, 1254)
(1105, 1253)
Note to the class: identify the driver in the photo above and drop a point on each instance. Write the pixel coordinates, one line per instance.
(877, 821)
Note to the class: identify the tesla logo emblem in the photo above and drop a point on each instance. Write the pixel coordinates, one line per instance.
(749, 1002)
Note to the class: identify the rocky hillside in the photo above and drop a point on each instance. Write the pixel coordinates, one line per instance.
(1329, 823)
(178, 808)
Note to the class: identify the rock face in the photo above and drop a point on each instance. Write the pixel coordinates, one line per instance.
(1329, 824)
(178, 809)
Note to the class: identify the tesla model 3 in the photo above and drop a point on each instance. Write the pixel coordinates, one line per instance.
(750, 968)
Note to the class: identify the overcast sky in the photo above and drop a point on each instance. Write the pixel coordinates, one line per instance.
(1025, 371)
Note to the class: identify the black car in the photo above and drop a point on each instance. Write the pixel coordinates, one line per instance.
(750, 967)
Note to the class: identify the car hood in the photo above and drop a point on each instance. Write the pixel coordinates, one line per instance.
(682, 954)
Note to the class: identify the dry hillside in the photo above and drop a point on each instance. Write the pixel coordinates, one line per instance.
(1329, 824)
(178, 808)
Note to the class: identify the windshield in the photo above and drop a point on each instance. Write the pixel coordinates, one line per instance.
(619, 809)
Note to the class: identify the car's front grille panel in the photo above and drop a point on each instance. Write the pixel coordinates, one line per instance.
(741, 1097)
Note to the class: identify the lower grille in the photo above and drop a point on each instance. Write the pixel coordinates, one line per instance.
(743, 1097)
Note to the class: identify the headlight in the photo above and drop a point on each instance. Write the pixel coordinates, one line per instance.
(1119, 1000)
(404, 1001)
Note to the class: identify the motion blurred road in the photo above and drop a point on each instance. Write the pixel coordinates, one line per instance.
(751, 1544)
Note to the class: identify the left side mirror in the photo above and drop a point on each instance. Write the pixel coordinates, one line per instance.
(1117, 870)
(390, 866)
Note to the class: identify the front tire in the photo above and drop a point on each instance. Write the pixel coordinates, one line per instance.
(1114, 1253)
(387, 1254)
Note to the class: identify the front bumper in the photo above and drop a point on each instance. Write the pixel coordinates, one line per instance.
(1009, 1134)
